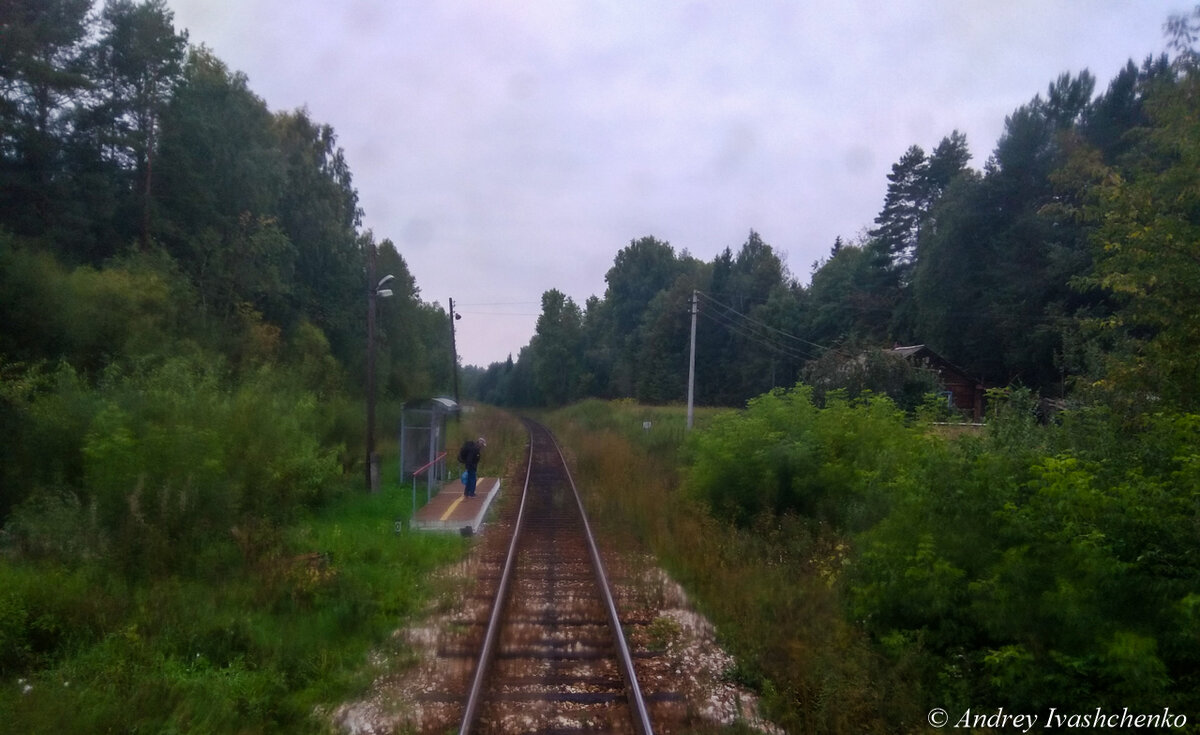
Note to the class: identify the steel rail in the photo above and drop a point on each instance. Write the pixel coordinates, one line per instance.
(641, 717)
(475, 698)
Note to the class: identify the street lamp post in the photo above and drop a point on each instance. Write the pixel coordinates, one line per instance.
(374, 290)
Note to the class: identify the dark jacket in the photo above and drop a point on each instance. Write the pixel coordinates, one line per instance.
(469, 454)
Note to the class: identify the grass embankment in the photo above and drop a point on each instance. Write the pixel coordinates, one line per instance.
(771, 589)
(274, 626)
(865, 570)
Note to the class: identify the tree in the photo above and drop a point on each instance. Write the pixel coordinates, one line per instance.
(1113, 116)
(556, 348)
(1148, 254)
(952, 280)
(716, 344)
(1183, 30)
(139, 63)
(318, 211)
(414, 344)
(662, 354)
(915, 185)
(904, 208)
(948, 160)
(847, 302)
(600, 354)
(220, 173)
(639, 272)
(990, 284)
(742, 346)
(42, 44)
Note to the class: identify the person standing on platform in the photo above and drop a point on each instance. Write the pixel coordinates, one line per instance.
(469, 455)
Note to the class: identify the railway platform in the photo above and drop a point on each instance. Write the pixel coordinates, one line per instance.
(450, 510)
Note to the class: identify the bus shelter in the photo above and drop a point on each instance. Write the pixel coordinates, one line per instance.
(423, 442)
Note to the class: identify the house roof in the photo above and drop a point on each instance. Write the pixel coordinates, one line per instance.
(912, 351)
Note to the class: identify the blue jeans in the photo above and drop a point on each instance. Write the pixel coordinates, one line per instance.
(470, 491)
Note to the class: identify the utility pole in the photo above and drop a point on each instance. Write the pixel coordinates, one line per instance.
(692, 363)
(454, 349)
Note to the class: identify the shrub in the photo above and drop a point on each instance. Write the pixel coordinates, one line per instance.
(160, 458)
(1035, 579)
(783, 454)
(46, 412)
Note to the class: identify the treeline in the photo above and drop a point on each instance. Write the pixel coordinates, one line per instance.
(1034, 566)
(869, 566)
(153, 209)
(1008, 272)
(182, 337)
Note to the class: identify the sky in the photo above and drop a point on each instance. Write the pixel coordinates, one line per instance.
(508, 148)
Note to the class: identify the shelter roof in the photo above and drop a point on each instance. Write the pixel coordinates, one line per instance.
(440, 403)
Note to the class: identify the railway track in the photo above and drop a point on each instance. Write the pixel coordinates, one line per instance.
(529, 643)
(553, 658)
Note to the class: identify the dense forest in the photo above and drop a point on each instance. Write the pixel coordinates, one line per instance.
(182, 373)
(152, 209)
(1009, 272)
(865, 568)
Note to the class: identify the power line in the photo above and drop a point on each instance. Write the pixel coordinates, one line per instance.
(498, 313)
(763, 324)
(767, 327)
(505, 303)
(752, 336)
(746, 331)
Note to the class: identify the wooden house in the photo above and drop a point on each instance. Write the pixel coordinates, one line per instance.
(966, 393)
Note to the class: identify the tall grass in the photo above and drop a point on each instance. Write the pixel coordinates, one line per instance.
(199, 563)
(771, 589)
(256, 649)
(864, 570)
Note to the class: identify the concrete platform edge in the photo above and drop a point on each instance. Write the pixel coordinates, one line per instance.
(456, 523)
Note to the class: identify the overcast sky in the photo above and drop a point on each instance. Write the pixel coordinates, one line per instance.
(508, 148)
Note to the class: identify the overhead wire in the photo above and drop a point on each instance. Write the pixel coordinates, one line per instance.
(724, 315)
(764, 325)
(504, 303)
(740, 329)
(761, 333)
(488, 304)
(755, 338)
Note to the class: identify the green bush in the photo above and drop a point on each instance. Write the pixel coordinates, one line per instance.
(47, 611)
(1028, 567)
(1029, 579)
(160, 458)
(49, 410)
(85, 316)
(784, 454)
(176, 457)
